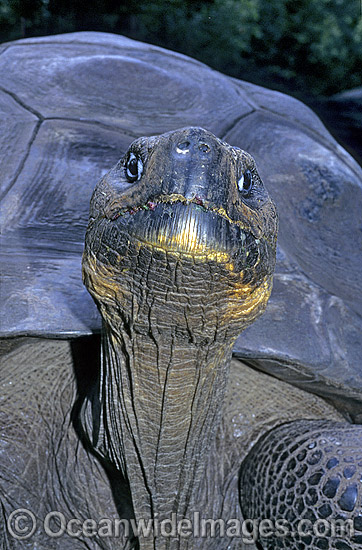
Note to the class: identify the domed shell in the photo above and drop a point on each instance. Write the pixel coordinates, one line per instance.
(69, 107)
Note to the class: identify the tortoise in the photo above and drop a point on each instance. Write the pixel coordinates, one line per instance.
(261, 451)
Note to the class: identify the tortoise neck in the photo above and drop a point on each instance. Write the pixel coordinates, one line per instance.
(161, 399)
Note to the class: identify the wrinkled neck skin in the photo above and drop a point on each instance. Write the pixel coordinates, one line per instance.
(179, 256)
(169, 328)
(156, 411)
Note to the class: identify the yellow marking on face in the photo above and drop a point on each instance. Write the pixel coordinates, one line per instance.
(99, 280)
(187, 242)
(181, 246)
(174, 197)
(244, 300)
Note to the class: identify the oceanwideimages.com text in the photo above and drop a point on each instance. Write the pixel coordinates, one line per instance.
(22, 524)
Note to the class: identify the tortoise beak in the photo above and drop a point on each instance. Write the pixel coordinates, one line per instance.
(192, 230)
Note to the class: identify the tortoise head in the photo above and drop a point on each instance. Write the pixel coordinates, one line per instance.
(184, 226)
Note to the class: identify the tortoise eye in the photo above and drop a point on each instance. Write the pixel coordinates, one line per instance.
(245, 183)
(134, 168)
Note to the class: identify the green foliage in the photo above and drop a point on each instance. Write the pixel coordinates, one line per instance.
(217, 33)
(320, 47)
(306, 46)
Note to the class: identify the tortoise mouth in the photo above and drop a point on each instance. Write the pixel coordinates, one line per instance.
(190, 227)
(153, 203)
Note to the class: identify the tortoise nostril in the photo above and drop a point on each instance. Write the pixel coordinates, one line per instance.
(204, 147)
(183, 147)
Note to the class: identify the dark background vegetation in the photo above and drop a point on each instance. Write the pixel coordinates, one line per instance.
(311, 49)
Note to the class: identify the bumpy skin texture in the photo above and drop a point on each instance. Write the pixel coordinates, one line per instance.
(43, 465)
(306, 470)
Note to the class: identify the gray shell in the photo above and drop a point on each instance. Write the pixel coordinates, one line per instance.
(69, 107)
